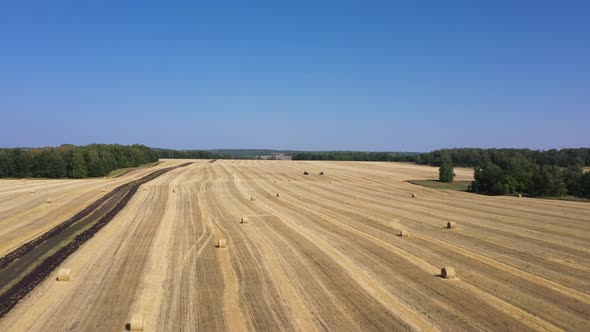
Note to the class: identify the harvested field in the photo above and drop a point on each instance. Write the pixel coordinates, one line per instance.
(23, 268)
(327, 255)
(25, 214)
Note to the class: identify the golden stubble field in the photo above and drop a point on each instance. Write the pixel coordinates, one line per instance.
(323, 255)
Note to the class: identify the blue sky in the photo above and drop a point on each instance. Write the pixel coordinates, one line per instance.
(311, 75)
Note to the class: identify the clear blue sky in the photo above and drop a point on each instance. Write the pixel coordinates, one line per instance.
(313, 75)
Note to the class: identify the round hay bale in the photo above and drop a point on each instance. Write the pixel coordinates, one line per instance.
(244, 220)
(64, 275)
(451, 225)
(173, 190)
(305, 173)
(322, 173)
(403, 233)
(221, 243)
(278, 195)
(144, 189)
(414, 195)
(447, 273)
(136, 323)
(519, 195)
(49, 200)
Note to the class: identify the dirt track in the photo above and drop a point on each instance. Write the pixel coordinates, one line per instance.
(25, 267)
(322, 256)
(25, 213)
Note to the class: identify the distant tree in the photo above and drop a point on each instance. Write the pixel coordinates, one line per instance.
(445, 158)
(23, 163)
(92, 159)
(41, 161)
(57, 167)
(6, 163)
(358, 156)
(572, 177)
(489, 179)
(518, 173)
(585, 185)
(446, 173)
(547, 181)
(475, 157)
(77, 167)
(71, 161)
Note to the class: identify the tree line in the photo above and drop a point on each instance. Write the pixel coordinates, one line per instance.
(356, 156)
(69, 161)
(191, 154)
(530, 172)
(206, 154)
(72, 161)
(471, 157)
(521, 175)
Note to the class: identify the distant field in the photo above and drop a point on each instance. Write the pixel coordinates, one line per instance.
(316, 253)
(455, 185)
(121, 171)
(462, 185)
(568, 198)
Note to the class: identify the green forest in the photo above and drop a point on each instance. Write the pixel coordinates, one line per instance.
(220, 154)
(551, 173)
(191, 154)
(471, 157)
(72, 161)
(69, 161)
(356, 156)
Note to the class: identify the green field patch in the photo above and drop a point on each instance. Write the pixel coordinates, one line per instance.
(455, 185)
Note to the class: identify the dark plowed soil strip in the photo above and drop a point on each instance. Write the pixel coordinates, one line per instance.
(20, 289)
(27, 247)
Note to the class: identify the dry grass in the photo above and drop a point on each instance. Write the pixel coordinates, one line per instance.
(455, 185)
(327, 257)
